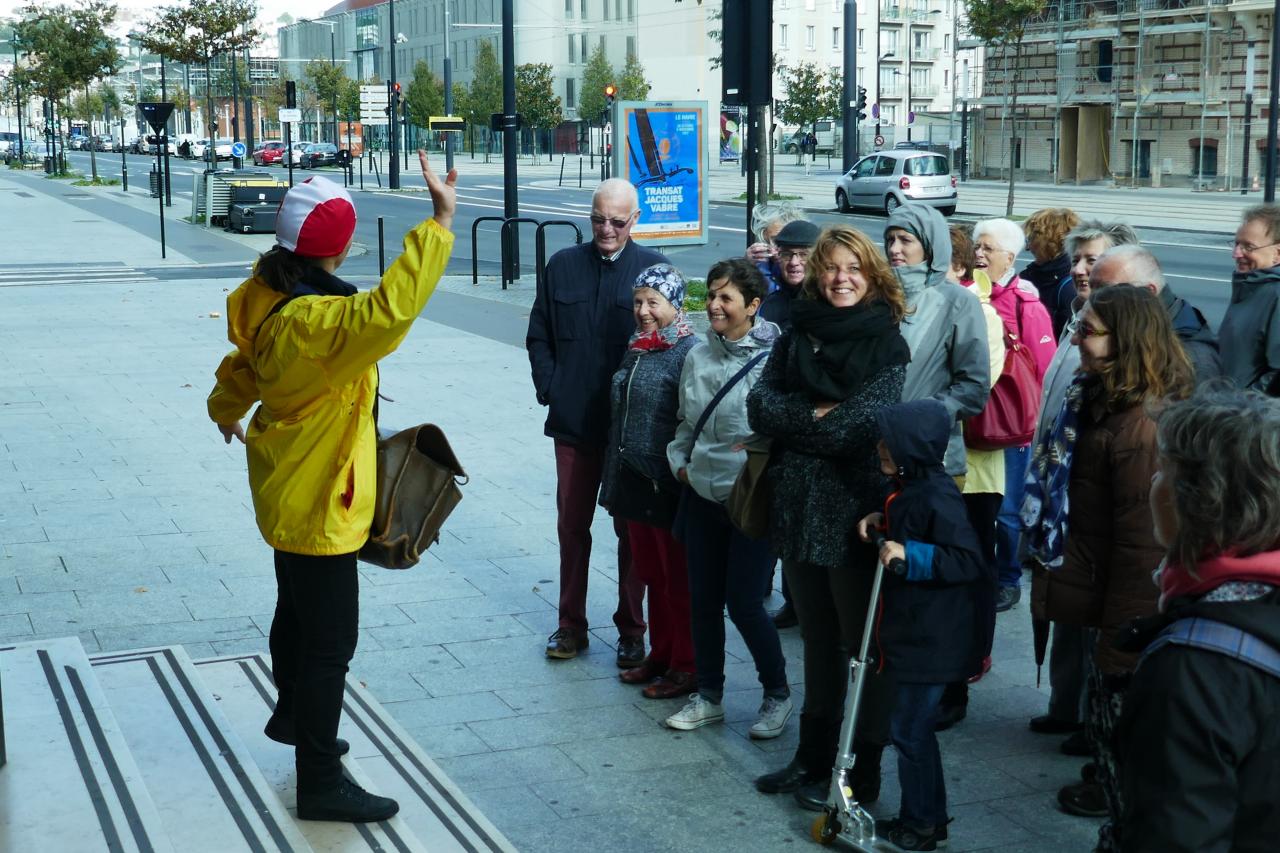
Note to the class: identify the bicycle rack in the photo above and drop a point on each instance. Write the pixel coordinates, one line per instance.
(475, 259)
(510, 260)
(540, 243)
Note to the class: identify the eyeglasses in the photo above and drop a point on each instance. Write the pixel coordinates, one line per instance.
(619, 224)
(799, 254)
(1249, 247)
(1084, 330)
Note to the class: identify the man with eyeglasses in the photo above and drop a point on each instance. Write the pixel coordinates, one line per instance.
(1250, 333)
(578, 331)
(795, 242)
(1134, 265)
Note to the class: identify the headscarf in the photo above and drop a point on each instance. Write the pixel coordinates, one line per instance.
(930, 228)
(668, 281)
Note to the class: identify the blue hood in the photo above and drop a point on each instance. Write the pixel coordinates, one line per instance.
(917, 435)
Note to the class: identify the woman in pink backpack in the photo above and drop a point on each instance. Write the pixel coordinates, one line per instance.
(997, 243)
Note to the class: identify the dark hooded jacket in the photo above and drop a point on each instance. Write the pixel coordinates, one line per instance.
(945, 329)
(1198, 747)
(1250, 331)
(1052, 280)
(1197, 338)
(936, 619)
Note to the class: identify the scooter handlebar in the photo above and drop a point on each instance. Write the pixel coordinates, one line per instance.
(897, 565)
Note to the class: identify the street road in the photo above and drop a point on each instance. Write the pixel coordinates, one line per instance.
(1197, 265)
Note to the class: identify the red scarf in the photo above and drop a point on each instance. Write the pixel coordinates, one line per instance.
(1211, 573)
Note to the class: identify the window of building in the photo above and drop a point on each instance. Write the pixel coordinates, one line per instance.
(568, 8)
(835, 39)
(631, 46)
(583, 9)
(810, 38)
(604, 45)
(889, 113)
(921, 79)
(888, 42)
(582, 48)
(617, 10)
(573, 49)
(888, 80)
(946, 79)
(782, 36)
(571, 93)
(862, 41)
(605, 4)
(631, 10)
(946, 42)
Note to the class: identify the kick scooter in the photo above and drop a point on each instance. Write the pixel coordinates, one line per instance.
(844, 818)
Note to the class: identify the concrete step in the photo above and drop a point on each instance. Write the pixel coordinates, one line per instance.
(434, 814)
(210, 795)
(70, 783)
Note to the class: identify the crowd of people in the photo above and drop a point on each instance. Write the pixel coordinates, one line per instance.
(1073, 423)
(910, 401)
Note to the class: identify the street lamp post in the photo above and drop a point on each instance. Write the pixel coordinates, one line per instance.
(1274, 107)
(848, 108)
(393, 164)
(879, 107)
(17, 97)
(448, 92)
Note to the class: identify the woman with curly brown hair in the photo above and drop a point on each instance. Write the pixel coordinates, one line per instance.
(1086, 509)
(842, 361)
(1050, 272)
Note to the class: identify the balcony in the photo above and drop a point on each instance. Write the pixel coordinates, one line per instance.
(897, 13)
(926, 54)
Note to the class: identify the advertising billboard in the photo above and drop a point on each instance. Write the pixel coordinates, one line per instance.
(661, 148)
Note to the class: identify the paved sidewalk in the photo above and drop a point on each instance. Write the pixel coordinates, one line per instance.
(127, 522)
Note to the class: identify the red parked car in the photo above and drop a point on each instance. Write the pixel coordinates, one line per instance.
(268, 153)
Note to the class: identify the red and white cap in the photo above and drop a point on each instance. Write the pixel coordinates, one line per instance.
(316, 219)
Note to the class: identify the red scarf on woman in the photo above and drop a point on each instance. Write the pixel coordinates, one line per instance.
(1211, 573)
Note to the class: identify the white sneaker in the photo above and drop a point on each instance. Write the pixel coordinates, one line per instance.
(774, 714)
(696, 714)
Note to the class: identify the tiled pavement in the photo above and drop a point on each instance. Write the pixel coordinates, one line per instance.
(126, 521)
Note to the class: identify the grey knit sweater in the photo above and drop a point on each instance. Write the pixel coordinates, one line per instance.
(825, 473)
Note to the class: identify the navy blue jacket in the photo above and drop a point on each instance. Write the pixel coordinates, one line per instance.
(936, 620)
(776, 307)
(581, 320)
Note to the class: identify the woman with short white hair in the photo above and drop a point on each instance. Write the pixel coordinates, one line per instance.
(996, 245)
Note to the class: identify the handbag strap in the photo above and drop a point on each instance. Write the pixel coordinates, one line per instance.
(715, 401)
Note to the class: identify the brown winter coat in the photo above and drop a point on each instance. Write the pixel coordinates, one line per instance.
(1110, 549)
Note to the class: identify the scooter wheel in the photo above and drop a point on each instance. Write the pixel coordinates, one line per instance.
(825, 828)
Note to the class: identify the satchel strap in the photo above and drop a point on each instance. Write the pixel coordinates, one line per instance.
(715, 401)
(1227, 640)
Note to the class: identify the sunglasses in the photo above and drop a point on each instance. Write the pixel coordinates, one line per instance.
(1084, 330)
(619, 224)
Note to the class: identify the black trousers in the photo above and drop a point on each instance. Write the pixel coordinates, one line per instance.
(313, 637)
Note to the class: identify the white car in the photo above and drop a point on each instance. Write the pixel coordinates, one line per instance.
(886, 180)
(295, 152)
(199, 147)
(222, 149)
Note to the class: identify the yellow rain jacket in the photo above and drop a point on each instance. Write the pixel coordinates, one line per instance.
(312, 444)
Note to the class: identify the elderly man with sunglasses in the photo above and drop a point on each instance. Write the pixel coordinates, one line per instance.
(578, 331)
(1250, 333)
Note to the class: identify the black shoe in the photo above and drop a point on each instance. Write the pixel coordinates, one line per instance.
(1085, 799)
(348, 802)
(898, 835)
(789, 779)
(282, 734)
(1047, 724)
(785, 617)
(630, 652)
(813, 796)
(1077, 745)
(1006, 597)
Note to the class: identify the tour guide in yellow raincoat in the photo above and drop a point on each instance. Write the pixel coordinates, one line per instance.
(307, 346)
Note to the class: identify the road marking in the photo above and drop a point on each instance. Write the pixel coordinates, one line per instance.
(35, 275)
(1186, 246)
(1199, 278)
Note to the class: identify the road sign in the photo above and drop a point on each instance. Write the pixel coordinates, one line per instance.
(875, 111)
(373, 94)
(237, 149)
(378, 120)
(156, 113)
(911, 117)
(452, 123)
(288, 116)
(879, 140)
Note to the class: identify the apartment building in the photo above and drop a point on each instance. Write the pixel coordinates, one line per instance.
(1113, 89)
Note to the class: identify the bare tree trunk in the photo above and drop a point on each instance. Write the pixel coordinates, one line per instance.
(93, 155)
(1013, 134)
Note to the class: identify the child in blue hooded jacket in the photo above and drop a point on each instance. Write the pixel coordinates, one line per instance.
(929, 632)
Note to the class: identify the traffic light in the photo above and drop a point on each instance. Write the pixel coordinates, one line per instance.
(610, 91)
(862, 103)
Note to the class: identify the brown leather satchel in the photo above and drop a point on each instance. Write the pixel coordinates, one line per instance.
(419, 480)
(750, 502)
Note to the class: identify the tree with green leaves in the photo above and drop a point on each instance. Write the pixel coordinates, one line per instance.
(485, 96)
(536, 99)
(326, 81)
(1000, 25)
(424, 97)
(196, 32)
(598, 74)
(68, 50)
(632, 85)
(349, 101)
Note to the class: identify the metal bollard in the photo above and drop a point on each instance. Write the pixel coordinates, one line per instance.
(560, 183)
(579, 171)
(382, 256)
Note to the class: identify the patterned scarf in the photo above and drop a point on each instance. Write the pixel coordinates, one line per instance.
(1044, 504)
(664, 338)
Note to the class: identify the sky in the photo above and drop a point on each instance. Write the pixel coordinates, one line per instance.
(133, 11)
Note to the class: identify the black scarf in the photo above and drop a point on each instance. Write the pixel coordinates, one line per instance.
(855, 344)
(320, 282)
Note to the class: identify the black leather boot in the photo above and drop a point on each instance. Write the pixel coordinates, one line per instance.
(865, 777)
(805, 768)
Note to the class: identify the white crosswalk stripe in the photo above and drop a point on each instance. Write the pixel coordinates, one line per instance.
(34, 275)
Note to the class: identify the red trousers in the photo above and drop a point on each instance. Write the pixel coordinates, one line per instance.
(578, 472)
(658, 560)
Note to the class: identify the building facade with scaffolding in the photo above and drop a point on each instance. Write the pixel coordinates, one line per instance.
(1146, 92)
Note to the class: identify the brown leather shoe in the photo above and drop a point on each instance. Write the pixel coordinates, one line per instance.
(671, 685)
(630, 652)
(566, 643)
(647, 671)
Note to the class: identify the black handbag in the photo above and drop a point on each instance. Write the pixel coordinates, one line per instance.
(639, 497)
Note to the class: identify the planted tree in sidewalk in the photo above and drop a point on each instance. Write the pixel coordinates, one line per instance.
(67, 50)
(485, 96)
(632, 85)
(808, 95)
(1000, 25)
(424, 97)
(536, 99)
(598, 74)
(326, 81)
(196, 32)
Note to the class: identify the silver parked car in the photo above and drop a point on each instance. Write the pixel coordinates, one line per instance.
(887, 179)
